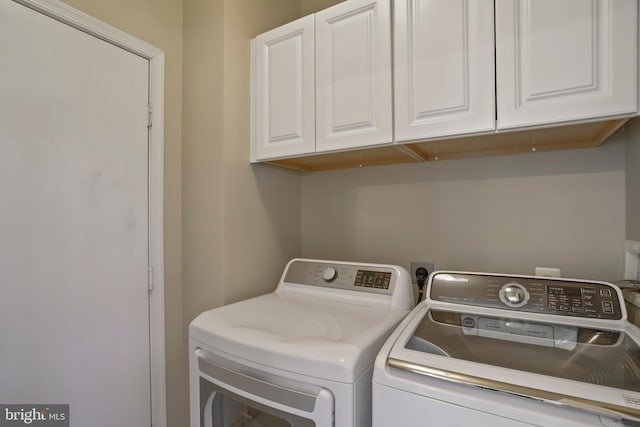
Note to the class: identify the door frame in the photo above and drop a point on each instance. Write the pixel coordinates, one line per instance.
(85, 23)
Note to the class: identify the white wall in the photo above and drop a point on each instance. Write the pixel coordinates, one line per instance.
(633, 179)
(500, 214)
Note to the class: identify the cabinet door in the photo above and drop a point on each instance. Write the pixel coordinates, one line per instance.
(444, 68)
(564, 60)
(353, 75)
(284, 91)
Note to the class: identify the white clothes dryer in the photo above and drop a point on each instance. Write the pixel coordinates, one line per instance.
(490, 350)
(300, 356)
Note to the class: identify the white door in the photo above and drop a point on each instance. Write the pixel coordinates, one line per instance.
(444, 68)
(285, 91)
(353, 75)
(564, 60)
(74, 312)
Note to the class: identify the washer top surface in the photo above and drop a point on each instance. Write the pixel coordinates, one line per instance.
(330, 332)
(559, 340)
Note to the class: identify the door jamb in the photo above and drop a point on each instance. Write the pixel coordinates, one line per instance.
(86, 23)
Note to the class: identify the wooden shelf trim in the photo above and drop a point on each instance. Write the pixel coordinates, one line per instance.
(565, 137)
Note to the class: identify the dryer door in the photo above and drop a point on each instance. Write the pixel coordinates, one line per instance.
(231, 398)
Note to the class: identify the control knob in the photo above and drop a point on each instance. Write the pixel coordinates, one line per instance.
(329, 274)
(514, 294)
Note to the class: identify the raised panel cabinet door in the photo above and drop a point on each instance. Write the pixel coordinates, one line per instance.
(353, 75)
(284, 91)
(443, 68)
(564, 60)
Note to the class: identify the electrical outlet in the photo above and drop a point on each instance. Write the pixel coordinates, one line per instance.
(429, 266)
(548, 272)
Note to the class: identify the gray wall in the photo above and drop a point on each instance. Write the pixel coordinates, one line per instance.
(502, 214)
(241, 223)
(308, 7)
(633, 179)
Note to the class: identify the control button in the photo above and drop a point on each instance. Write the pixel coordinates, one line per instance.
(329, 274)
(514, 324)
(468, 322)
(605, 292)
(607, 307)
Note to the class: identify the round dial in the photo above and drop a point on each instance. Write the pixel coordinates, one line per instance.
(514, 294)
(329, 274)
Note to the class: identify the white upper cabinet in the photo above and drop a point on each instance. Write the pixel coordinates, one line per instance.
(444, 68)
(283, 98)
(474, 70)
(564, 60)
(353, 75)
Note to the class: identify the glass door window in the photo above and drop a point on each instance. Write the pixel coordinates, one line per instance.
(596, 356)
(222, 408)
(233, 395)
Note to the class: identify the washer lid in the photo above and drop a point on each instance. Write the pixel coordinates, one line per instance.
(318, 337)
(597, 356)
(596, 368)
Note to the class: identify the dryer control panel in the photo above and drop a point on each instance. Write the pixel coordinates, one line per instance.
(528, 293)
(373, 278)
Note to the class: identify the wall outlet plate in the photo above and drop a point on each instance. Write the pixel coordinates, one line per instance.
(548, 272)
(430, 266)
(631, 260)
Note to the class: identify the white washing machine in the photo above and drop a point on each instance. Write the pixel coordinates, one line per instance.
(300, 356)
(493, 350)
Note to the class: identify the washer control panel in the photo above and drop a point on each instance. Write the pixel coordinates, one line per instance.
(533, 294)
(373, 278)
(544, 334)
